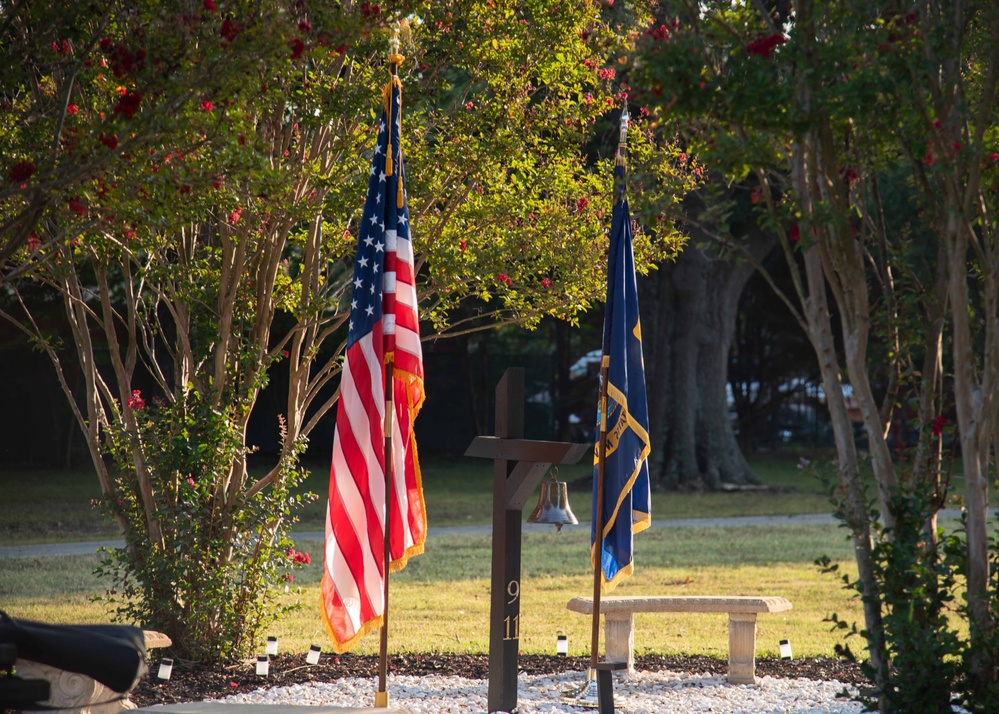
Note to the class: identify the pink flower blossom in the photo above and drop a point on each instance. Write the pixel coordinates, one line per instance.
(135, 401)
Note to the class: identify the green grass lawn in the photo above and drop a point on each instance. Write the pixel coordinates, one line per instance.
(54, 506)
(440, 601)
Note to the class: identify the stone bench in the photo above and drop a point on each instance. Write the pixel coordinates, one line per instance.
(619, 624)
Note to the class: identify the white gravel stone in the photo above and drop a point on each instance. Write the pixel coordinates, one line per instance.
(642, 693)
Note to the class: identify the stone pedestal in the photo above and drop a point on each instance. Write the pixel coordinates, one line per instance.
(619, 638)
(742, 648)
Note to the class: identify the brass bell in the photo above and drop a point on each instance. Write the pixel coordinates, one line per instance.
(553, 505)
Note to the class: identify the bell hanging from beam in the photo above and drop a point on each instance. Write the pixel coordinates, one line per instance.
(553, 505)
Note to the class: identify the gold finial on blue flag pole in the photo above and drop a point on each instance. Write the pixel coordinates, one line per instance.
(622, 144)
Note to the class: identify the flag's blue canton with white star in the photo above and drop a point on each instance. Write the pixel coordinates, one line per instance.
(380, 214)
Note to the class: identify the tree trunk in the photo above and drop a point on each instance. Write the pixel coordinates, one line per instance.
(690, 309)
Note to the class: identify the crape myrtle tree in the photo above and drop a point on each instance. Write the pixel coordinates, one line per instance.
(835, 115)
(191, 203)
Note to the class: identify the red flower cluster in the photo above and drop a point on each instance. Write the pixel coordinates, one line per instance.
(607, 73)
(298, 557)
(504, 279)
(229, 30)
(33, 243)
(77, 206)
(109, 141)
(369, 9)
(135, 401)
(128, 104)
(209, 5)
(206, 106)
(938, 425)
(659, 34)
(62, 48)
(297, 47)
(123, 62)
(546, 283)
(19, 173)
(582, 203)
(794, 235)
(764, 46)
(72, 109)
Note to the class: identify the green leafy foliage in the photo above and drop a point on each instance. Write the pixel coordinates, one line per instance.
(211, 573)
(187, 178)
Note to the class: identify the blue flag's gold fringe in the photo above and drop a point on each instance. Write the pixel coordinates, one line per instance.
(639, 520)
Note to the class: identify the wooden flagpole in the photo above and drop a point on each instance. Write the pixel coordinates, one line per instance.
(382, 695)
(598, 519)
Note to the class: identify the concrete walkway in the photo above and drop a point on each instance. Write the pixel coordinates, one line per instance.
(809, 519)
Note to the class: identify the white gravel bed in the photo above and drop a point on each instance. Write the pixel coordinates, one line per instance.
(643, 693)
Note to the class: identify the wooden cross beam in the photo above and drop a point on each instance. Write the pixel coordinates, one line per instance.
(518, 466)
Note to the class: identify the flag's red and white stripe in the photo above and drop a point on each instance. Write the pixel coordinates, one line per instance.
(384, 330)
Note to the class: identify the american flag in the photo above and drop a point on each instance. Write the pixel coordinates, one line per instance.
(383, 330)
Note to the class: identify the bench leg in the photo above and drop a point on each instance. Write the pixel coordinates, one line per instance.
(742, 648)
(619, 639)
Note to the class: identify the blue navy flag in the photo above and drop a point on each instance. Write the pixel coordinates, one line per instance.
(626, 470)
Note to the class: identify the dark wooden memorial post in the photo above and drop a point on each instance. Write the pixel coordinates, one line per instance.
(518, 467)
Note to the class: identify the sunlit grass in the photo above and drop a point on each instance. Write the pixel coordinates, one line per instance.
(440, 601)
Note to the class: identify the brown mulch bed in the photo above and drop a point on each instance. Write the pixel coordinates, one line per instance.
(190, 684)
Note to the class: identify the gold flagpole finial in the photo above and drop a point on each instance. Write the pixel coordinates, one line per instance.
(625, 120)
(622, 144)
(395, 59)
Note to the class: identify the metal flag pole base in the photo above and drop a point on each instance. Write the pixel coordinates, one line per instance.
(598, 692)
(585, 696)
(382, 699)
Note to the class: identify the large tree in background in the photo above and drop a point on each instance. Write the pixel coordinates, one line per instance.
(820, 108)
(192, 206)
(691, 306)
